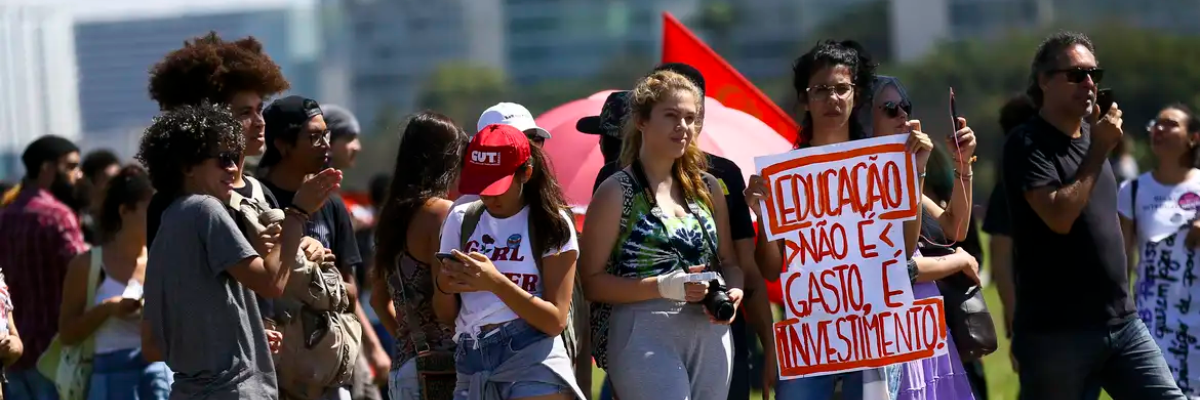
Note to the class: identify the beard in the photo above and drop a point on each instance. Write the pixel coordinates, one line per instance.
(68, 194)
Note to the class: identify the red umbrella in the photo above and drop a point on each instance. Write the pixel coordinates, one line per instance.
(576, 156)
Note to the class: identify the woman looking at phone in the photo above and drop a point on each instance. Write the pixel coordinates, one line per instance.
(507, 287)
(406, 238)
(111, 319)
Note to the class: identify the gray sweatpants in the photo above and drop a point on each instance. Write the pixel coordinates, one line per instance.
(666, 350)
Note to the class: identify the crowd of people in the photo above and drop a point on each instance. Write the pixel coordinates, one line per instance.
(194, 274)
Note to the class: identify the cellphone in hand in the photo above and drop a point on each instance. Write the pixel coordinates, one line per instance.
(443, 256)
(1104, 100)
(953, 114)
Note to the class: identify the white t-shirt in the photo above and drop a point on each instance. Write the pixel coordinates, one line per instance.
(1161, 209)
(503, 242)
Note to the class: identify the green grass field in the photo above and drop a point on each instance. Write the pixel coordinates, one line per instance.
(1002, 381)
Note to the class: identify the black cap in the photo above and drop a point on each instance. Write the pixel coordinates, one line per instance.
(284, 118)
(608, 123)
(48, 148)
(687, 71)
(341, 122)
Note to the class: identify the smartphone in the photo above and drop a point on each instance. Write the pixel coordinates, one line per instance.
(953, 114)
(328, 162)
(443, 256)
(1104, 100)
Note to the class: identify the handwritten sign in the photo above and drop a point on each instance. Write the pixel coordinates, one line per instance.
(1167, 279)
(849, 303)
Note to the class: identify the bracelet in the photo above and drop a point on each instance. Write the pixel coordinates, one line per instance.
(438, 285)
(912, 270)
(921, 175)
(959, 174)
(297, 212)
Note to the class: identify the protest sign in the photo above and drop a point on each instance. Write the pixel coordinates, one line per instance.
(1167, 276)
(849, 303)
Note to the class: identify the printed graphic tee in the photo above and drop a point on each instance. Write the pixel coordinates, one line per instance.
(505, 241)
(1161, 209)
(1168, 272)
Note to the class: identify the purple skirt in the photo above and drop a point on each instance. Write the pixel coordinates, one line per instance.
(937, 378)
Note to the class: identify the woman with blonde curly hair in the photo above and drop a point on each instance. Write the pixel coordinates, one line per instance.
(652, 230)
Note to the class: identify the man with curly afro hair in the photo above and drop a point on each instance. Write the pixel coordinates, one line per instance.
(203, 274)
(236, 74)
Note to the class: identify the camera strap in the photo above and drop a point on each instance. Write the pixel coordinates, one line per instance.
(643, 183)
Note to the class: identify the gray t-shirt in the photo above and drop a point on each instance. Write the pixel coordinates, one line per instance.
(206, 323)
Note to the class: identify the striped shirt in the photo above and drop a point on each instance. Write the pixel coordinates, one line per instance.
(39, 236)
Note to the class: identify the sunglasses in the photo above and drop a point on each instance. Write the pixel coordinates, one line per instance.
(841, 90)
(1078, 75)
(227, 158)
(892, 109)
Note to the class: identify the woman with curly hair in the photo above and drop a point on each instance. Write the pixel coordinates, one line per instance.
(202, 275)
(236, 74)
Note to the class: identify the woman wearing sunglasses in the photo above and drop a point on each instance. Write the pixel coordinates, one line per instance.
(941, 377)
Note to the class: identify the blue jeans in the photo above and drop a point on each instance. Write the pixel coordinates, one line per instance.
(821, 387)
(492, 349)
(124, 374)
(28, 384)
(1069, 365)
(403, 383)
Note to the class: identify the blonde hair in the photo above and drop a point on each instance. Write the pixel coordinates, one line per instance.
(688, 169)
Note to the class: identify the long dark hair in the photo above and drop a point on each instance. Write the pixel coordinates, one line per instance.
(828, 54)
(125, 190)
(427, 161)
(545, 200)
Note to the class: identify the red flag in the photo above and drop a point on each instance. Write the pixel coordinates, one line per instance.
(721, 81)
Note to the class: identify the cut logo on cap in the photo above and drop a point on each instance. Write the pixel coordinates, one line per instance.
(485, 157)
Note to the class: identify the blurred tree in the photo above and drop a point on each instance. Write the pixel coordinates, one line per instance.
(378, 149)
(717, 18)
(462, 91)
(868, 23)
(1146, 70)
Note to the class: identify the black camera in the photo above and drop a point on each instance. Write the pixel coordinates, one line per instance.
(717, 301)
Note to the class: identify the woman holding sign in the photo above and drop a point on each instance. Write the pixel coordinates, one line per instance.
(939, 377)
(655, 249)
(1158, 211)
(831, 80)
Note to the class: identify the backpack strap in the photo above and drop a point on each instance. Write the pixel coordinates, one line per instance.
(1133, 186)
(94, 271)
(470, 221)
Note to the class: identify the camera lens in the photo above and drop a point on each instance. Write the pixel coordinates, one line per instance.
(717, 301)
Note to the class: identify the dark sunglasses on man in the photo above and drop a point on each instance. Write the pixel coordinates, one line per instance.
(1078, 75)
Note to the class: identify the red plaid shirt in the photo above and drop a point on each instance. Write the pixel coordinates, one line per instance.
(39, 236)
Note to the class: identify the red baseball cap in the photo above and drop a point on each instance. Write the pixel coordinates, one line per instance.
(492, 159)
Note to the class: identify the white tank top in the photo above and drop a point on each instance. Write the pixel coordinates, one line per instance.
(117, 333)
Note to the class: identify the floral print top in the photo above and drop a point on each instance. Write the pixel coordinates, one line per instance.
(412, 292)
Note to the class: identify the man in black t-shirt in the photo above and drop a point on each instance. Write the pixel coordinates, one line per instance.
(1075, 325)
(741, 226)
(297, 145)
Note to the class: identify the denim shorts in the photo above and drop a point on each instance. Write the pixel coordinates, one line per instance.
(403, 383)
(494, 347)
